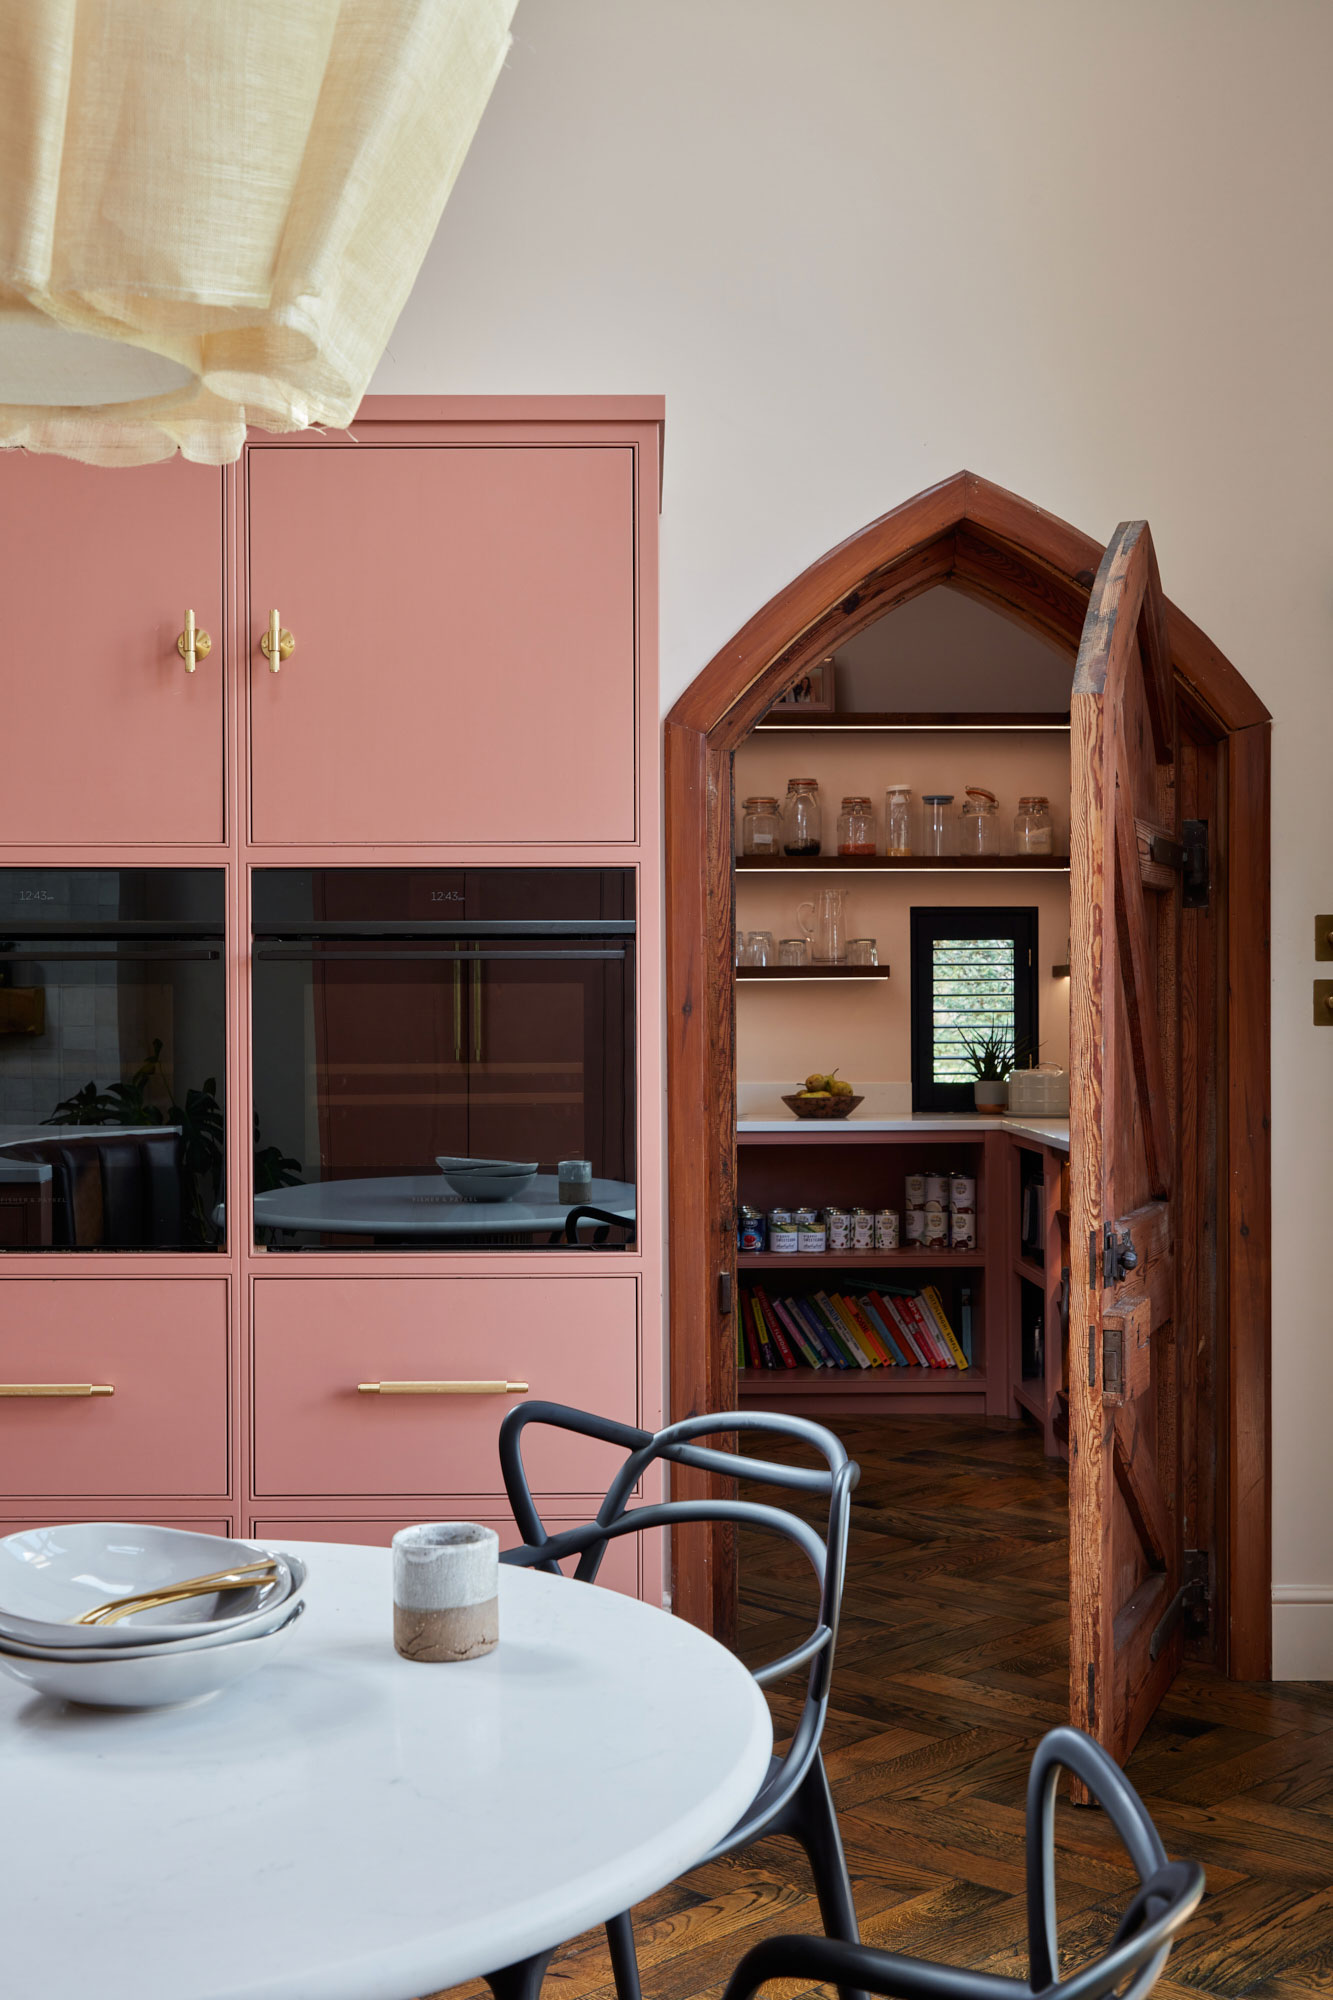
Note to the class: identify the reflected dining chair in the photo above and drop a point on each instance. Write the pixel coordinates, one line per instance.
(1166, 1898)
(794, 1798)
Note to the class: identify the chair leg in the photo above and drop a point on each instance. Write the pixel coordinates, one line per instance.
(811, 1819)
(522, 1981)
(624, 1958)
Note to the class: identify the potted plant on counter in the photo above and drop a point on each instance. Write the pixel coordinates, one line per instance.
(990, 1061)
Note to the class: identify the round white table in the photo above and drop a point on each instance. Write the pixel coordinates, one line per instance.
(348, 1825)
(425, 1205)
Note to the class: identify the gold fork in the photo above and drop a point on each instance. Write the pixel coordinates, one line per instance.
(244, 1576)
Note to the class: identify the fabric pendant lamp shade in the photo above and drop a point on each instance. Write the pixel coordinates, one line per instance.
(211, 214)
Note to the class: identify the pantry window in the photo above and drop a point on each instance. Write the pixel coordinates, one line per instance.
(973, 979)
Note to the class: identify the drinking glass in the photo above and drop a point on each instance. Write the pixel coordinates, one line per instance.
(762, 949)
(862, 951)
(794, 951)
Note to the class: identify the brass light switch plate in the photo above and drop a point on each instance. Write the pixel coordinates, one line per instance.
(1323, 1003)
(1323, 938)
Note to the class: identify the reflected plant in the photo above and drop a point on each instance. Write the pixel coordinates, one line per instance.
(145, 1097)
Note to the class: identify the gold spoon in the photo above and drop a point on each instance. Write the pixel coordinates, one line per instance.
(244, 1577)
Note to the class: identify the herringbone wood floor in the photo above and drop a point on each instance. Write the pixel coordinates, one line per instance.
(952, 1663)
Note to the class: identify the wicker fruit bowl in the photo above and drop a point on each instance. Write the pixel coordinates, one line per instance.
(823, 1107)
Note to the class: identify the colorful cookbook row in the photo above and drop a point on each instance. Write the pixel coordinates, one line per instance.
(889, 1326)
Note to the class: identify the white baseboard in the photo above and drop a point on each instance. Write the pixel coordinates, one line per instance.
(1303, 1632)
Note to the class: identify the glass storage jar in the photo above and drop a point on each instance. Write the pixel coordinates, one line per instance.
(761, 828)
(937, 823)
(802, 819)
(856, 826)
(979, 822)
(1032, 825)
(901, 831)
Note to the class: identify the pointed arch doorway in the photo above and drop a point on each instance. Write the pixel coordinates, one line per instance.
(1212, 759)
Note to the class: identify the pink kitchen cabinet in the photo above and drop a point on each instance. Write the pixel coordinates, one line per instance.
(464, 618)
(160, 1346)
(316, 1340)
(108, 739)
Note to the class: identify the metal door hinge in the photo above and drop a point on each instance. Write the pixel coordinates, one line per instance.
(724, 1292)
(1195, 892)
(1195, 1598)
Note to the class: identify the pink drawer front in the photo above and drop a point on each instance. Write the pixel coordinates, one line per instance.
(619, 1571)
(160, 1344)
(571, 1340)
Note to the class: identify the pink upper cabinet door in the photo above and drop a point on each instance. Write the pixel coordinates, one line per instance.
(464, 663)
(107, 738)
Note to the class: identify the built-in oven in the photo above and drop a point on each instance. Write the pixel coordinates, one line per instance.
(440, 1056)
(112, 1058)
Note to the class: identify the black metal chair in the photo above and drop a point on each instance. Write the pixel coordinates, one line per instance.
(606, 1220)
(1167, 1896)
(794, 1798)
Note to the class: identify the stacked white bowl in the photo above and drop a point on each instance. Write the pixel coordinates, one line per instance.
(152, 1657)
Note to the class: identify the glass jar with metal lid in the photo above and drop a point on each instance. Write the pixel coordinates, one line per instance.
(856, 826)
(802, 817)
(938, 823)
(1033, 832)
(761, 827)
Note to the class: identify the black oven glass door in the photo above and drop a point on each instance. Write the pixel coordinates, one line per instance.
(411, 1017)
(112, 1059)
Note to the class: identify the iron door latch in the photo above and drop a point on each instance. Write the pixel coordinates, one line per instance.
(1118, 1256)
(1195, 1596)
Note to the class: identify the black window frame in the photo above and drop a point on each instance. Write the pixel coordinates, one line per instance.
(931, 922)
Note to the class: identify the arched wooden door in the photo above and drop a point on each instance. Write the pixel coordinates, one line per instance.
(995, 546)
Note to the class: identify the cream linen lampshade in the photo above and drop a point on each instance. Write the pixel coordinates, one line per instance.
(212, 211)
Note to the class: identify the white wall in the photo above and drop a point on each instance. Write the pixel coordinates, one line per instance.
(862, 243)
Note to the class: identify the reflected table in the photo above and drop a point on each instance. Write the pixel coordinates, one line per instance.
(423, 1205)
(349, 1825)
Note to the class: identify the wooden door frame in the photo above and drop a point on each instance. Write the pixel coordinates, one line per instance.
(1033, 567)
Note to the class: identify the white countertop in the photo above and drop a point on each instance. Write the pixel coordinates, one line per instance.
(27, 1135)
(424, 1205)
(761, 1109)
(349, 1825)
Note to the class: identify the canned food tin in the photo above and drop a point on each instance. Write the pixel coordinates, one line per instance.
(782, 1236)
(863, 1229)
(778, 1215)
(839, 1225)
(915, 1225)
(751, 1232)
(937, 1189)
(886, 1229)
(935, 1229)
(963, 1229)
(962, 1191)
(812, 1238)
(914, 1190)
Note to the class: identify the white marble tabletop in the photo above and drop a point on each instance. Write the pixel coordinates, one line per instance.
(425, 1205)
(348, 1825)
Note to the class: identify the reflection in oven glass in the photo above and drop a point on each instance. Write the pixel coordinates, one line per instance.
(432, 1047)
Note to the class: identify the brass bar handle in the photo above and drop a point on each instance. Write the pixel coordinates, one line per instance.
(193, 644)
(476, 1013)
(57, 1389)
(458, 1013)
(442, 1388)
(276, 644)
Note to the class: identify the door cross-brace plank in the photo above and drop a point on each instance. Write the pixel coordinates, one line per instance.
(1141, 1000)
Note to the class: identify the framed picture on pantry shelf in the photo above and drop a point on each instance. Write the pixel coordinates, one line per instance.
(813, 692)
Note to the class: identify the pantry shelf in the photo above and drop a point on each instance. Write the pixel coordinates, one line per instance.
(805, 972)
(904, 864)
(906, 720)
(839, 1260)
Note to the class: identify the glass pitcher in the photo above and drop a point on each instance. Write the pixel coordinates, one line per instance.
(826, 926)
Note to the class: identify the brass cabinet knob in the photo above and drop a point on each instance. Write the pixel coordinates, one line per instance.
(193, 644)
(276, 644)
